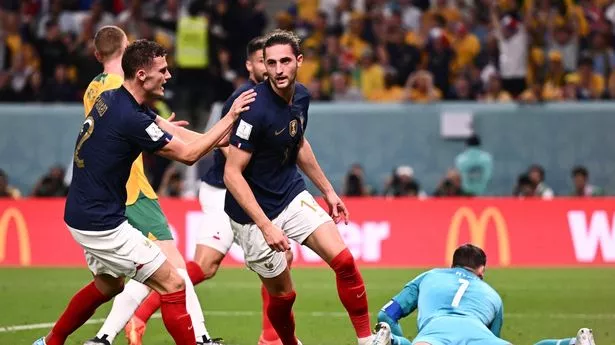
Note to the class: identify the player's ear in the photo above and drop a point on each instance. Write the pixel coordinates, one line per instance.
(249, 66)
(299, 60)
(141, 75)
(480, 272)
(98, 56)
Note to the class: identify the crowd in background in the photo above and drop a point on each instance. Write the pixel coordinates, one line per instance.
(469, 176)
(373, 50)
(354, 50)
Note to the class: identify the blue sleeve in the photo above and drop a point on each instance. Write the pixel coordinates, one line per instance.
(498, 321)
(143, 131)
(247, 131)
(400, 306)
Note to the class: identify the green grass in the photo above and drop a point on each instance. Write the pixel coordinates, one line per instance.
(539, 303)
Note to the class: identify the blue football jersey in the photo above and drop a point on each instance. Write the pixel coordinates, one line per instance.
(271, 130)
(215, 174)
(114, 133)
(448, 292)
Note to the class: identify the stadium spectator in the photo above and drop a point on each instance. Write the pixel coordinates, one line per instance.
(421, 88)
(536, 174)
(582, 187)
(450, 185)
(466, 47)
(7, 191)
(475, 166)
(20, 74)
(402, 183)
(391, 91)
(52, 184)
(440, 58)
(398, 54)
(494, 92)
(589, 84)
(342, 91)
(563, 38)
(525, 188)
(513, 46)
(60, 88)
(51, 49)
(354, 183)
(461, 90)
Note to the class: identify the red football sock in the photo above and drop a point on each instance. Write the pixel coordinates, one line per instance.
(176, 318)
(269, 333)
(80, 308)
(351, 289)
(195, 272)
(150, 304)
(280, 312)
(148, 307)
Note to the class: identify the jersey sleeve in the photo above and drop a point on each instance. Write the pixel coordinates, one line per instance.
(141, 129)
(498, 321)
(247, 131)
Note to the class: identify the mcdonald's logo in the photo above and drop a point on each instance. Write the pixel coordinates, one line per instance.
(12, 213)
(478, 226)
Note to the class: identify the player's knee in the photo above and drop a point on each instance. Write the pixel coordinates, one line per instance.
(210, 270)
(175, 283)
(344, 265)
(108, 285)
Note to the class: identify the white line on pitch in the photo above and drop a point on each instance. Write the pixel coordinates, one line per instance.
(236, 313)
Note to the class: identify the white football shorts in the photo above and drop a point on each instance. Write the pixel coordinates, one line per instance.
(298, 220)
(216, 230)
(120, 252)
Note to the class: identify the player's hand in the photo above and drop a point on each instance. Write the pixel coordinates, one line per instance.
(276, 238)
(337, 209)
(179, 123)
(241, 103)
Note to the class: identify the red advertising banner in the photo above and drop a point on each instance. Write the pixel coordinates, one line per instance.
(382, 232)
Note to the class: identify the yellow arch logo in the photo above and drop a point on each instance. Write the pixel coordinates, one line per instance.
(478, 231)
(12, 213)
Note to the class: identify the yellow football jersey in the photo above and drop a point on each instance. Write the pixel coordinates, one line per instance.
(137, 182)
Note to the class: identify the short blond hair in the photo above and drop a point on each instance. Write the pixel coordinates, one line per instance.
(109, 40)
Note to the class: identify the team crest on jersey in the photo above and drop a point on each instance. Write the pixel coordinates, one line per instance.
(292, 128)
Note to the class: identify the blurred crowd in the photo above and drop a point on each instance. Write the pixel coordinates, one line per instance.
(372, 50)
(430, 50)
(470, 175)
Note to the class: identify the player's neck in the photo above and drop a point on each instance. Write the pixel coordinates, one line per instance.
(114, 66)
(137, 92)
(286, 94)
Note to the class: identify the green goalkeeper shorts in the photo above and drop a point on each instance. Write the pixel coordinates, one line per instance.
(146, 215)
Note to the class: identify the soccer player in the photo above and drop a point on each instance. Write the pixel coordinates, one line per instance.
(216, 238)
(455, 305)
(268, 202)
(142, 208)
(115, 132)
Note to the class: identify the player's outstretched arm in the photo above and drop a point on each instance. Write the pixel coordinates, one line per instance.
(189, 153)
(176, 130)
(306, 160)
(236, 161)
(496, 325)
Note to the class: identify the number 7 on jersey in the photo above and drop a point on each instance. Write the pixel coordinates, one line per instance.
(462, 289)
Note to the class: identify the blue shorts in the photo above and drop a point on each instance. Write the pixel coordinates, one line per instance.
(455, 330)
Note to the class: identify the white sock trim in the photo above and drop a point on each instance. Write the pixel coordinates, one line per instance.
(124, 306)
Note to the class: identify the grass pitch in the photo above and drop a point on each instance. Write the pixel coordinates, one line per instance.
(538, 304)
